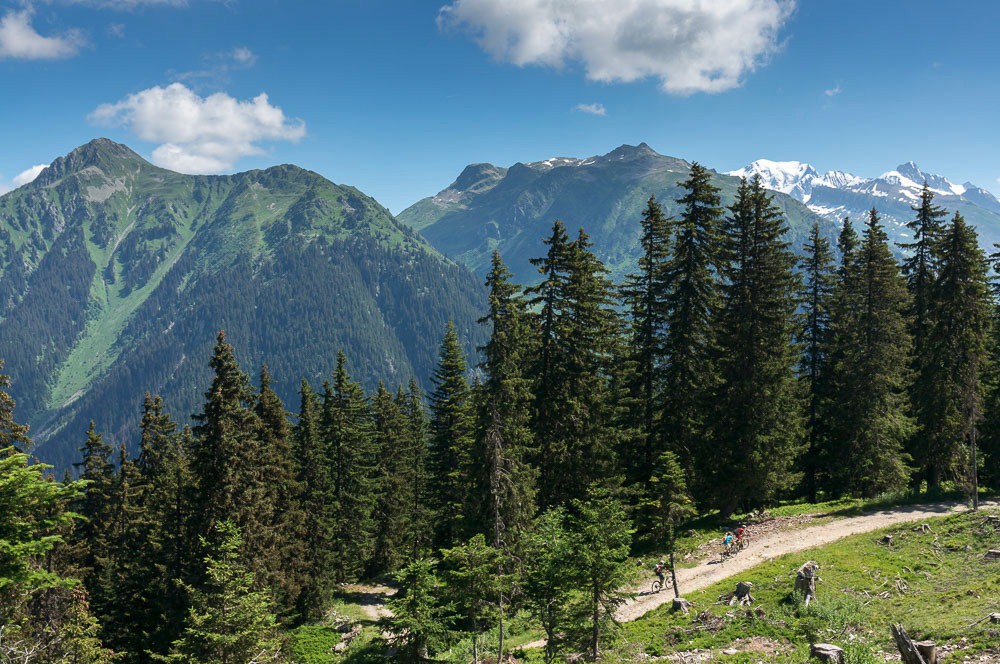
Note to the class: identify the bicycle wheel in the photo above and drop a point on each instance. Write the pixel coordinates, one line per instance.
(655, 588)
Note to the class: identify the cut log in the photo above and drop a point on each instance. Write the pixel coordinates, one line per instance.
(742, 595)
(681, 604)
(993, 554)
(907, 648)
(827, 653)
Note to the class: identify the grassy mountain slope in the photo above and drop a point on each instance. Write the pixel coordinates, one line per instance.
(115, 276)
(513, 209)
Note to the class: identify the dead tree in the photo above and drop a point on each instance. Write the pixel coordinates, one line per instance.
(913, 652)
(805, 580)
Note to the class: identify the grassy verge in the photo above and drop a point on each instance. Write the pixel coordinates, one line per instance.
(936, 584)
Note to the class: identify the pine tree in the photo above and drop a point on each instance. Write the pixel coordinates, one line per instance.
(12, 434)
(229, 622)
(869, 415)
(350, 448)
(990, 443)
(395, 484)
(451, 432)
(692, 299)
(757, 429)
(420, 623)
(93, 533)
(578, 327)
(414, 452)
(673, 505)
(956, 349)
(503, 490)
(921, 272)
(645, 296)
(476, 586)
(316, 504)
(814, 337)
(547, 581)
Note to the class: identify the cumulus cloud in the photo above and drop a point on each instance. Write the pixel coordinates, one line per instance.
(592, 109)
(28, 175)
(199, 135)
(244, 56)
(833, 92)
(689, 45)
(19, 40)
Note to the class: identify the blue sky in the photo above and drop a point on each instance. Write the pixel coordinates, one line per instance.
(397, 96)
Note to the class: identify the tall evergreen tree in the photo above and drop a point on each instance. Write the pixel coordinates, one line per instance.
(395, 484)
(451, 433)
(93, 533)
(316, 505)
(757, 429)
(645, 296)
(12, 434)
(673, 505)
(350, 448)
(921, 271)
(814, 337)
(414, 454)
(578, 327)
(503, 491)
(956, 347)
(692, 299)
(868, 414)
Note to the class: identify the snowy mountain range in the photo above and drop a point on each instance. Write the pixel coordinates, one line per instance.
(836, 194)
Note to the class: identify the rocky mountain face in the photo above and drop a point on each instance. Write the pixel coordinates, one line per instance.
(512, 209)
(115, 276)
(836, 194)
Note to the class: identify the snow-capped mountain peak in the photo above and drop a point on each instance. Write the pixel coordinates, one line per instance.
(795, 178)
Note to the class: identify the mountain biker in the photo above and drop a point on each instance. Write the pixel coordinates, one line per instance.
(659, 571)
(739, 534)
(728, 539)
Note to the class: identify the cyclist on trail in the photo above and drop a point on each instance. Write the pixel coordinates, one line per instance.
(739, 534)
(728, 539)
(659, 571)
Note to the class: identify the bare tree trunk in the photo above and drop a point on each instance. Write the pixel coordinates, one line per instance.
(597, 622)
(673, 573)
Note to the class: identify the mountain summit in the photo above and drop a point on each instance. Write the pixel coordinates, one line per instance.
(836, 194)
(115, 276)
(512, 209)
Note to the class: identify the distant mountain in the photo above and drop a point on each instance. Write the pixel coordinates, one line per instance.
(512, 209)
(115, 276)
(835, 194)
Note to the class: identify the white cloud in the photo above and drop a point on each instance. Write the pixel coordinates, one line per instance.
(199, 134)
(126, 5)
(28, 175)
(593, 109)
(117, 30)
(833, 92)
(244, 56)
(689, 45)
(18, 39)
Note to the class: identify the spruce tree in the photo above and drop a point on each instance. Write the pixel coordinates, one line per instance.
(414, 453)
(503, 490)
(756, 429)
(350, 448)
(94, 532)
(869, 414)
(921, 271)
(578, 329)
(476, 586)
(547, 581)
(451, 433)
(13, 436)
(645, 296)
(956, 349)
(395, 484)
(316, 505)
(673, 505)
(817, 267)
(692, 299)
(419, 626)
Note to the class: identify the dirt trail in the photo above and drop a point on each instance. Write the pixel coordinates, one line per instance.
(778, 543)
(371, 599)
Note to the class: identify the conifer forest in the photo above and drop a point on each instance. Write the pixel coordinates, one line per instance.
(598, 421)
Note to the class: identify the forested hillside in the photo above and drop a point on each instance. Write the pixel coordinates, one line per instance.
(115, 276)
(725, 374)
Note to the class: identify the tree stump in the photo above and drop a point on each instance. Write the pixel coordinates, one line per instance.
(805, 580)
(681, 604)
(827, 653)
(907, 648)
(887, 540)
(742, 595)
(993, 554)
(927, 650)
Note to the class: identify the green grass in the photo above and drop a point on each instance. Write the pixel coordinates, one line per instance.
(935, 584)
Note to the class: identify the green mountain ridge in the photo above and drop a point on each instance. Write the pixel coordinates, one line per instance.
(512, 209)
(115, 276)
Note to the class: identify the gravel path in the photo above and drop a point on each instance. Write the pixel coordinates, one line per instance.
(776, 544)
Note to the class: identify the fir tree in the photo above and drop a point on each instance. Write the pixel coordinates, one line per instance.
(757, 430)
(414, 453)
(93, 535)
(420, 623)
(229, 622)
(547, 581)
(814, 338)
(395, 484)
(673, 505)
(868, 414)
(475, 585)
(13, 436)
(316, 504)
(956, 347)
(578, 327)
(451, 431)
(692, 299)
(503, 490)
(347, 429)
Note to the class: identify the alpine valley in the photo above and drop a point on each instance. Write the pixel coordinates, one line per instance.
(115, 276)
